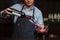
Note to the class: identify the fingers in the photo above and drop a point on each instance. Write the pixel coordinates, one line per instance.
(43, 31)
(8, 11)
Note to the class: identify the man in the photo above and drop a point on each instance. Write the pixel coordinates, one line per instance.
(29, 9)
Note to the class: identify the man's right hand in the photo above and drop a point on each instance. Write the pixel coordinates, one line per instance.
(7, 11)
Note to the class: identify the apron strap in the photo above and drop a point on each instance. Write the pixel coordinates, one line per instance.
(33, 11)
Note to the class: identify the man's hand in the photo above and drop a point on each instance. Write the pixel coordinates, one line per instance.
(7, 11)
(43, 31)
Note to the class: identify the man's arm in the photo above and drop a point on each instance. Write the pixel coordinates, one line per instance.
(4, 15)
(39, 17)
(40, 21)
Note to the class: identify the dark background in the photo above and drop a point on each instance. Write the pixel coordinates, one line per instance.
(47, 7)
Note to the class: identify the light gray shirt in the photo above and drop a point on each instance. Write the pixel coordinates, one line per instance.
(37, 13)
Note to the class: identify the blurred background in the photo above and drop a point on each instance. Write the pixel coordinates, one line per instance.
(51, 15)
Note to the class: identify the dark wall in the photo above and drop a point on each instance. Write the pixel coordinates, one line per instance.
(48, 6)
(45, 5)
(5, 3)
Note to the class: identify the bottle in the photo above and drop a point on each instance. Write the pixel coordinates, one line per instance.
(58, 17)
(55, 17)
(50, 17)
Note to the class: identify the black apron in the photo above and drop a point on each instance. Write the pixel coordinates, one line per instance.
(23, 28)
